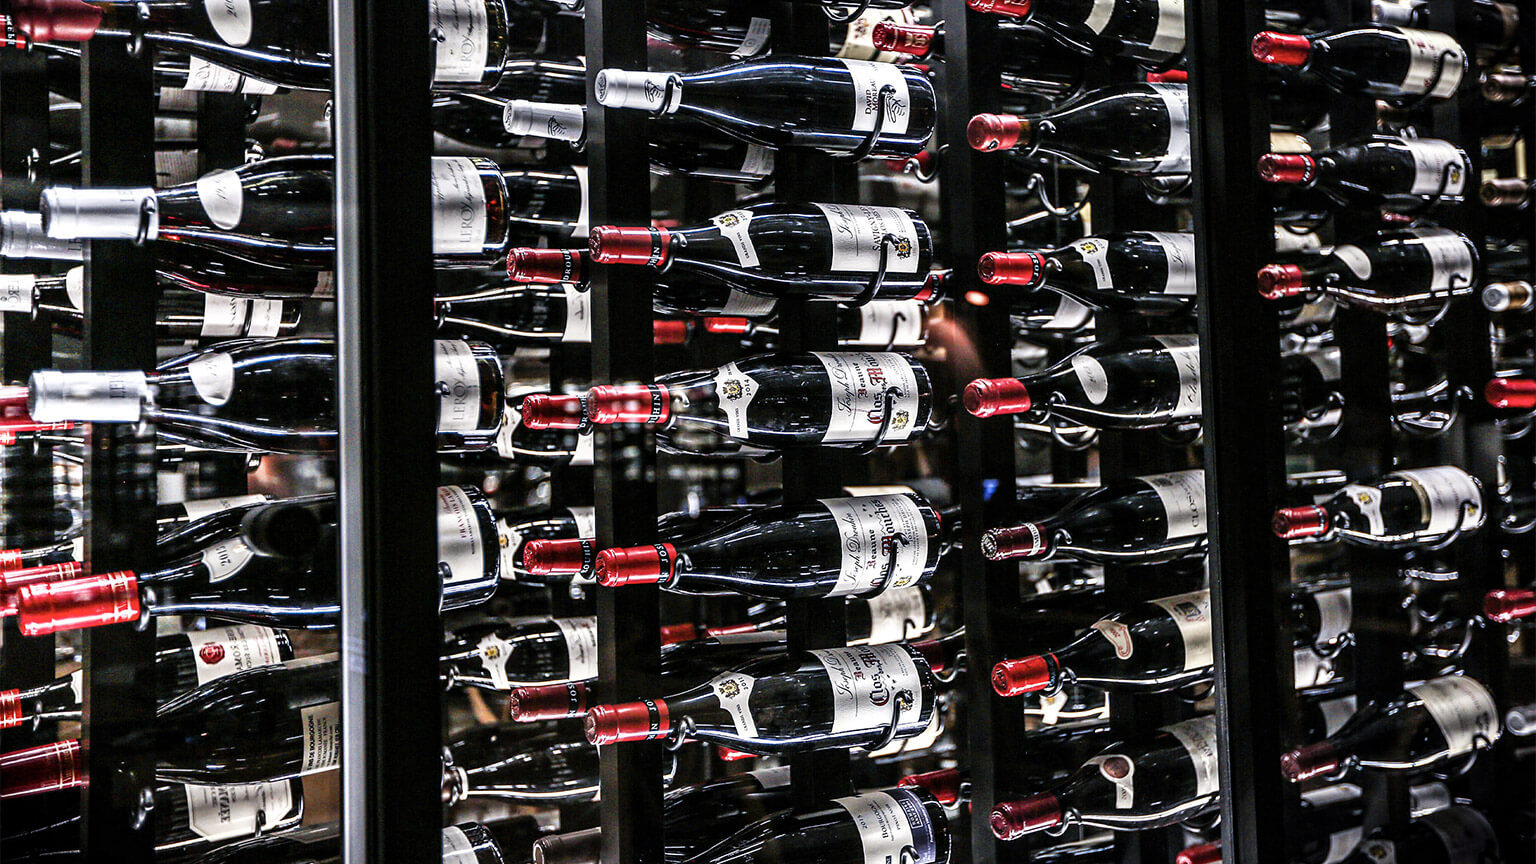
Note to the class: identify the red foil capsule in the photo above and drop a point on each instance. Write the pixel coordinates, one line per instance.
(1281, 49)
(730, 754)
(559, 557)
(636, 565)
(12, 581)
(629, 721)
(94, 601)
(988, 397)
(1511, 393)
(55, 20)
(994, 131)
(1013, 8)
(1282, 280)
(547, 702)
(1011, 820)
(1293, 522)
(631, 403)
(1027, 675)
(1294, 168)
(44, 768)
(943, 785)
(914, 40)
(1205, 853)
(548, 411)
(610, 244)
(1011, 268)
(544, 266)
(1508, 604)
(1313, 760)
(1022, 541)
(11, 714)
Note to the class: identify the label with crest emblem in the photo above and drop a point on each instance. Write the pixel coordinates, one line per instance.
(859, 382)
(873, 529)
(226, 650)
(866, 681)
(859, 232)
(734, 390)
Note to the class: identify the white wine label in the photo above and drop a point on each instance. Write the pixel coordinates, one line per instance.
(213, 78)
(581, 229)
(322, 737)
(1095, 252)
(1425, 48)
(734, 690)
(226, 558)
(16, 292)
(1443, 491)
(578, 314)
(229, 649)
(1179, 252)
(1118, 635)
(460, 546)
(458, 206)
(872, 530)
(758, 34)
(1176, 102)
(772, 778)
(1169, 37)
(1185, 352)
(889, 823)
(1199, 738)
(462, 31)
(890, 323)
(227, 812)
(231, 19)
(742, 304)
(208, 506)
(580, 645)
(734, 226)
(1432, 160)
(264, 319)
(1192, 614)
(586, 521)
(866, 680)
(74, 287)
(1341, 843)
(1462, 709)
(758, 162)
(1099, 13)
(223, 315)
(734, 390)
(869, 79)
(1336, 712)
(458, 387)
(896, 615)
(859, 382)
(1183, 497)
(457, 848)
(1091, 377)
(1069, 315)
(1368, 500)
(859, 232)
(213, 376)
(222, 197)
(1333, 614)
(545, 120)
(1120, 771)
(1450, 259)
(583, 454)
(77, 685)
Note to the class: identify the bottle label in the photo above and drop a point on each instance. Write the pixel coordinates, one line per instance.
(1443, 492)
(1069, 315)
(734, 690)
(1199, 738)
(1183, 497)
(1450, 259)
(457, 847)
(322, 737)
(1169, 37)
(222, 196)
(231, 20)
(1425, 48)
(16, 292)
(1176, 102)
(873, 531)
(581, 229)
(227, 812)
(461, 30)
(458, 380)
(1118, 635)
(888, 323)
(586, 521)
(458, 206)
(1099, 14)
(890, 822)
(1091, 377)
(869, 79)
(213, 78)
(74, 287)
(1120, 771)
(771, 778)
(213, 377)
(227, 650)
(1192, 614)
(734, 226)
(735, 389)
(742, 304)
(859, 232)
(1335, 712)
(896, 615)
(1095, 253)
(1367, 499)
(1355, 259)
(758, 162)
(1327, 362)
(758, 34)
(1329, 796)
(1341, 843)
(1432, 160)
(208, 506)
(1185, 353)
(223, 315)
(77, 686)
(265, 318)
(1333, 614)
(1462, 709)
(859, 382)
(1179, 252)
(578, 314)
(227, 558)
(580, 645)
(460, 546)
(1309, 669)
(866, 681)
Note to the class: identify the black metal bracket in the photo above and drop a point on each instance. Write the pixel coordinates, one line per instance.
(872, 139)
(845, 17)
(900, 702)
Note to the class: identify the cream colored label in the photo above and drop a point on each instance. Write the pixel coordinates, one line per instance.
(869, 81)
(458, 206)
(1092, 377)
(227, 558)
(580, 636)
(859, 382)
(1185, 353)
(1199, 738)
(213, 377)
(873, 530)
(231, 19)
(859, 232)
(322, 737)
(227, 812)
(759, 31)
(461, 30)
(1463, 710)
(222, 197)
(226, 650)
(1192, 614)
(866, 681)
(1425, 48)
(1183, 497)
(460, 546)
(223, 315)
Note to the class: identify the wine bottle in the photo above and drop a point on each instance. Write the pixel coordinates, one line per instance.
(508, 315)
(894, 615)
(541, 764)
(1149, 782)
(765, 402)
(1396, 271)
(1402, 508)
(870, 827)
(1161, 645)
(1158, 517)
(878, 324)
(1428, 724)
(524, 444)
(566, 551)
(1034, 63)
(836, 697)
(834, 548)
(274, 396)
(1381, 172)
(1151, 30)
(1134, 383)
(676, 294)
(1383, 62)
(1140, 129)
(785, 249)
(503, 655)
(1143, 270)
(790, 101)
(229, 580)
(732, 29)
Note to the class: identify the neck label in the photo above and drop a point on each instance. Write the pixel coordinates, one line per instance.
(578, 314)
(457, 847)
(758, 34)
(223, 315)
(734, 390)
(735, 226)
(231, 20)
(228, 812)
(196, 510)
(865, 682)
(265, 318)
(1192, 614)
(872, 529)
(1183, 497)
(213, 376)
(734, 690)
(859, 382)
(741, 304)
(462, 33)
(889, 823)
(1095, 253)
(225, 559)
(1333, 614)
(222, 196)
(1169, 37)
(1092, 377)
(213, 78)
